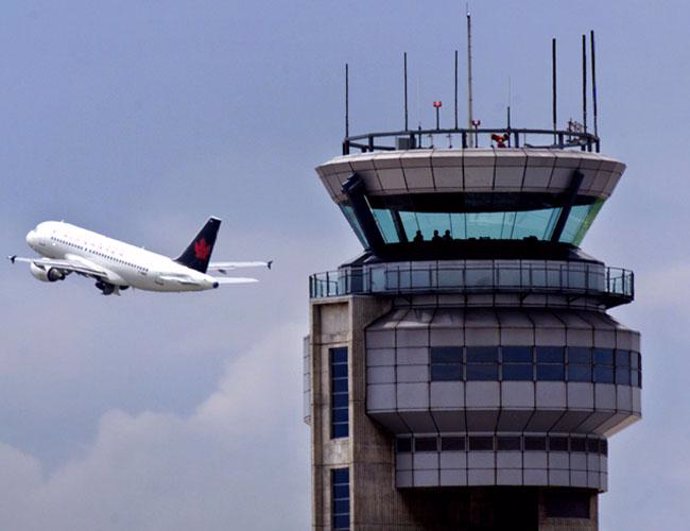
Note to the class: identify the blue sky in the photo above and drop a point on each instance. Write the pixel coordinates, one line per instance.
(140, 119)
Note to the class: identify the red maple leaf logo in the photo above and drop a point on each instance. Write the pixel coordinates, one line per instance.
(202, 250)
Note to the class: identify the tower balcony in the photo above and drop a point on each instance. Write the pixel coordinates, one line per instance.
(570, 279)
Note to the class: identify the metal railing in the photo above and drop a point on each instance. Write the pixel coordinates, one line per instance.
(525, 277)
(502, 138)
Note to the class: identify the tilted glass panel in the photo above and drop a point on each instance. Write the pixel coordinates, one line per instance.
(579, 221)
(349, 214)
(384, 220)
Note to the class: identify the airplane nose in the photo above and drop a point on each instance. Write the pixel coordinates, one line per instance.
(31, 238)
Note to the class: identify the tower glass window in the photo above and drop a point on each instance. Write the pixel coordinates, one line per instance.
(340, 417)
(340, 498)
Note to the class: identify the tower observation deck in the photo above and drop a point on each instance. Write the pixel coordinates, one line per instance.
(463, 373)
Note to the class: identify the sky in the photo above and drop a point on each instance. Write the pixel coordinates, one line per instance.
(139, 119)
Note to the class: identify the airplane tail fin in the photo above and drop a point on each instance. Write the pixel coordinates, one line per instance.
(197, 255)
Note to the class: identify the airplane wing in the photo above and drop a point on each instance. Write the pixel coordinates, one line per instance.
(224, 267)
(66, 265)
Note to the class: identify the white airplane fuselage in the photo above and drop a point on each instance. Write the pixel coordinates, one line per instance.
(123, 264)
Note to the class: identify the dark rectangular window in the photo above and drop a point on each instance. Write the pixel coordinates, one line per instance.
(446, 364)
(482, 363)
(577, 444)
(622, 359)
(482, 371)
(453, 444)
(482, 354)
(535, 444)
(550, 354)
(558, 444)
(593, 446)
(508, 443)
(518, 371)
(517, 354)
(340, 498)
(550, 372)
(340, 397)
(403, 445)
(603, 374)
(481, 443)
(623, 376)
(581, 355)
(425, 444)
(579, 373)
(603, 356)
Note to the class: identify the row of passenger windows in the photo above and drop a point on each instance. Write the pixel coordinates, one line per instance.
(521, 443)
(541, 363)
(99, 253)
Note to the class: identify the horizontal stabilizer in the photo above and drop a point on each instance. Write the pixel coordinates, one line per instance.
(235, 280)
(224, 267)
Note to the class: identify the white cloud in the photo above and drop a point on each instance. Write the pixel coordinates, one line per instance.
(208, 471)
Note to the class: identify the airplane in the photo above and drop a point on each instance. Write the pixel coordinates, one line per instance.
(116, 265)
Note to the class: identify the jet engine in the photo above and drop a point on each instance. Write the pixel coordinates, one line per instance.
(51, 274)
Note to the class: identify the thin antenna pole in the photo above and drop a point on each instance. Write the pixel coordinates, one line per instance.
(470, 116)
(594, 84)
(554, 90)
(405, 76)
(456, 89)
(347, 100)
(584, 82)
(510, 99)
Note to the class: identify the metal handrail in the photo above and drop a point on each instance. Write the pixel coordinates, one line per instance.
(516, 138)
(596, 280)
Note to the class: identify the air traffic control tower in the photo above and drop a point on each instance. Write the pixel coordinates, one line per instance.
(463, 373)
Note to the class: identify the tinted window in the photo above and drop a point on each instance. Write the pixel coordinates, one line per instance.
(603, 374)
(603, 356)
(403, 445)
(579, 355)
(558, 444)
(523, 354)
(577, 444)
(339, 392)
(452, 444)
(482, 371)
(622, 358)
(550, 372)
(446, 372)
(579, 373)
(340, 498)
(425, 444)
(517, 371)
(623, 376)
(508, 443)
(550, 354)
(535, 443)
(482, 354)
(446, 354)
(481, 443)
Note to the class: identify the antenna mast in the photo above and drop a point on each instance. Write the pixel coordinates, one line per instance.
(347, 100)
(470, 116)
(405, 76)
